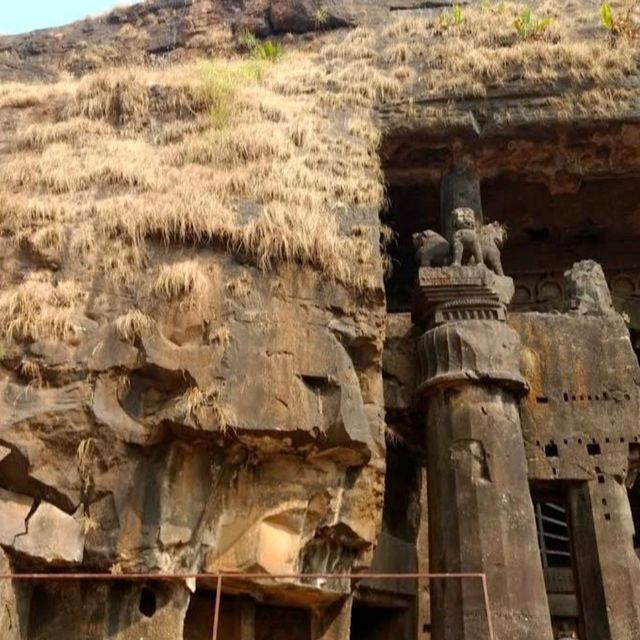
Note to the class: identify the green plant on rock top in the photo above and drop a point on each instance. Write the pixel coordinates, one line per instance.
(219, 83)
(529, 27)
(454, 18)
(456, 14)
(606, 16)
(619, 25)
(267, 50)
(321, 15)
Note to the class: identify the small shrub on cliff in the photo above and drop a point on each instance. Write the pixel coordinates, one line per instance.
(219, 84)
(619, 25)
(267, 50)
(321, 16)
(529, 27)
(453, 18)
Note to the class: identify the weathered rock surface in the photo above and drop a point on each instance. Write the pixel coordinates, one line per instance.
(14, 510)
(12, 616)
(145, 611)
(52, 535)
(587, 290)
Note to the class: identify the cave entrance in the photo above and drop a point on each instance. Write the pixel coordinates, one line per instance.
(553, 529)
(198, 621)
(241, 618)
(397, 608)
(370, 622)
(412, 209)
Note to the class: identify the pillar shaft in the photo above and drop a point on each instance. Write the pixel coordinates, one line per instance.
(481, 517)
(460, 188)
(333, 622)
(607, 566)
(479, 497)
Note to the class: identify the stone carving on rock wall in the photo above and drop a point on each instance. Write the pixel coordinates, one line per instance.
(432, 250)
(470, 244)
(492, 237)
(465, 242)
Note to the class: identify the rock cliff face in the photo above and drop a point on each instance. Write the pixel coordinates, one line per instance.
(192, 307)
(183, 410)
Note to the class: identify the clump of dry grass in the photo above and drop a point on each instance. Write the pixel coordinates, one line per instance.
(31, 371)
(38, 309)
(221, 335)
(195, 401)
(180, 281)
(61, 168)
(84, 460)
(239, 288)
(38, 136)
(133, 324)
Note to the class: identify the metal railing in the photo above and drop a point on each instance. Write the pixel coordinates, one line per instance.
(220, 577)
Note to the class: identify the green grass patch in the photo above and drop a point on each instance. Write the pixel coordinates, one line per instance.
(219, 84)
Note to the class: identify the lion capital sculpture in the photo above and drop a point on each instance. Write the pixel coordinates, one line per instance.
(469, 244)
(465, 242)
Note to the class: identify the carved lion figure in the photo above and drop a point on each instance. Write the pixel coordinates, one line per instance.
(465, 241)
(492, 237)
(432, 250)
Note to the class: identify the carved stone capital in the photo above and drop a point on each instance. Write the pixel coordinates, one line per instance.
(470, 351)
(445, 294)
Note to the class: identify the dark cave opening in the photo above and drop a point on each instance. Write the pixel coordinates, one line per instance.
(377, 623)
(411, 209)
(148, 603)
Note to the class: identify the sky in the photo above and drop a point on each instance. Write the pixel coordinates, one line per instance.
(18, 16)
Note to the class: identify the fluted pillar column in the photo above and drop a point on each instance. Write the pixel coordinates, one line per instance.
(481, 516)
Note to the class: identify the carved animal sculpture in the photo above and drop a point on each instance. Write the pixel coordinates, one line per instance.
(492, 237)
(465, 242)
(432, 250)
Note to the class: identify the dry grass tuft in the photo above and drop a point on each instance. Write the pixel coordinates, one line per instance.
(38, 309)
(181, 280)
(239, 288)
(133, 324)
(221, 336)
(84, 460)
(195, 401)
(31, 371)
(38, 136)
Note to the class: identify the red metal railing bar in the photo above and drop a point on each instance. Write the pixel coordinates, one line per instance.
(216, 609)
(250, 576)
(487, 606)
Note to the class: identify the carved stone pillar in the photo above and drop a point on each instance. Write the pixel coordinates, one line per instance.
(481, 516)
(459, 188)
(602, 525)
(606, 562)
(332, 622)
